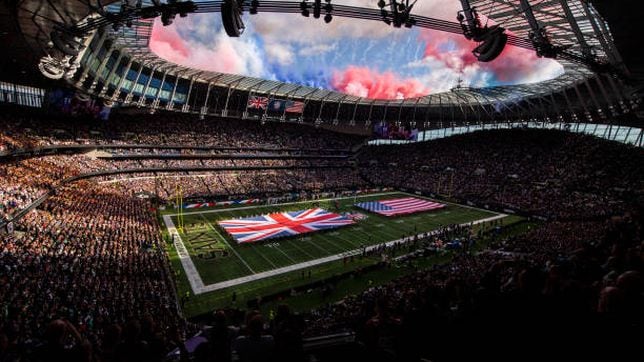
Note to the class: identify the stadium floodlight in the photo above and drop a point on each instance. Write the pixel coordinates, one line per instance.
(400, 13)
(493, 39)
(329, 10)
(305, 9)
(317, 9)
(231, 12)
(253, 7)
(167, 17)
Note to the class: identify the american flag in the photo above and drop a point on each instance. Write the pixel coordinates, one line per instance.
(257, 102)
(393, 207)
(294, 107)
(283, 224)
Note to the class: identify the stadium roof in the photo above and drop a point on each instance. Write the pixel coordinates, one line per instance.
(573, 25)
(586, 36)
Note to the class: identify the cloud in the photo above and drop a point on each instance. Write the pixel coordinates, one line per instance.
(514, 65)
(366, 83)
(348, 55)
(317, 49)
(166, 40)
(218, 53)
(280, 53)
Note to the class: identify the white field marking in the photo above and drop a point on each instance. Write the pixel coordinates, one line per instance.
(317, 245)
(229, 246)
(287, 203)
(199, 288)
(302, 250)
(184, 257)
(278, 248)
(380, 225)
(400, 221)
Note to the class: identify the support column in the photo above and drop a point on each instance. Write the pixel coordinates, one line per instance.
(204, 108)
(128, 96)
(106, 83)
(170, 105)
(99, 70)
(117, 91)
(90, 58)
(147, 85)
(186, 106)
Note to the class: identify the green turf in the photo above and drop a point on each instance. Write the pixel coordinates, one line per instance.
(248, 259)
(203, 236)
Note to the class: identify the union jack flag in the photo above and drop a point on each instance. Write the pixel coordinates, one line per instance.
(277, 225)
(393, 207)
(257, 102)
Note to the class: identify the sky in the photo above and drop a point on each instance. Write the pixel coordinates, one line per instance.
(359, 57)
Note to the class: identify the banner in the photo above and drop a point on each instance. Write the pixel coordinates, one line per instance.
(202, 205)
(273, 105)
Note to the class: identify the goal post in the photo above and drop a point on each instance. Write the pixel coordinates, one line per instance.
(179, 203)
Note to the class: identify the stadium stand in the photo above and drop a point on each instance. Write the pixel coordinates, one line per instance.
(116, 125)
(582, 265)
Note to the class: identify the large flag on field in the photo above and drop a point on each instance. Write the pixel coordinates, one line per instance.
(393, 207)
(283, 224)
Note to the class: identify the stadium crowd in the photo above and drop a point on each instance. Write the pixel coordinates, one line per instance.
(21, 130)
(91, 255)
(549, 173)
(85, 276)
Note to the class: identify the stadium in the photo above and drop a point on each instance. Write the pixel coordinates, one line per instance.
(321, 180)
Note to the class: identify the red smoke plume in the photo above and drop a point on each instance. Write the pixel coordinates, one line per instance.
(364, 82)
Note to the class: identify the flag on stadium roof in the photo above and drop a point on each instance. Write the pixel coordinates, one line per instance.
(393, 207)
(256, 102)
(277, 225)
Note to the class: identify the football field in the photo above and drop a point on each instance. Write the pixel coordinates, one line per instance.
(211, 260)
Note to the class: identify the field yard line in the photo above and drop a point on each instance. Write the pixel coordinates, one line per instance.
(229, 246)
(311, 263)
(263, 257)
(328, 240)
(283, 253)
(184, 256)
(346, 240)
(289, 203)
(318, 246)
(302, 250)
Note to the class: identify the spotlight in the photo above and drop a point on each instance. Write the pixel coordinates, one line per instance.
(493, 43)
(317, 7)
(305, 9)
(381, 4)
(231, 18)
(167, 18)
(327, 18)
(253, 7)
